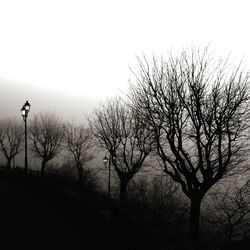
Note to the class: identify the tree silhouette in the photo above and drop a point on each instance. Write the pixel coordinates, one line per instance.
(46, 135)
(118, 130)
(229, 210)
(78, 142)
(11, 135)
(197, 108)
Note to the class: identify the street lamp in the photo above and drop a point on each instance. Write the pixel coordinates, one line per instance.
(109, 161)
(24, 111)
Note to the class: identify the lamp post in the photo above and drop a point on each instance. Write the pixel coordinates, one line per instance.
(106, 161)
(24, 111)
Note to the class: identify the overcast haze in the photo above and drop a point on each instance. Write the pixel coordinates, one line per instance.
(67, 56)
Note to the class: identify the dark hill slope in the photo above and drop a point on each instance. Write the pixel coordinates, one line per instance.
(36, 214)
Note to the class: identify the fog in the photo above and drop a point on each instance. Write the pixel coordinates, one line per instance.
(67, 56)
(67, 105)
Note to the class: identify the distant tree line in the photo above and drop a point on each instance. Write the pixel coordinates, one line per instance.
(48, 135)
(186, 115)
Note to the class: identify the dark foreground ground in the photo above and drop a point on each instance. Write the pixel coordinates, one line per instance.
(34, 215)
(43, 213)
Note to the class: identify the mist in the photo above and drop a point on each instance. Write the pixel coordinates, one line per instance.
(67, 105)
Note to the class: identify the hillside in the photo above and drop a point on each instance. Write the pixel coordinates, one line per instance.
(40, 213)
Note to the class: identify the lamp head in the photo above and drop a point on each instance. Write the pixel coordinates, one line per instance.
(23, 111)
(27, 106)
(105, 160)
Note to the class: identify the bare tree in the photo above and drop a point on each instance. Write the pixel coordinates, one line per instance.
(162, 195)
(46, 134)
(119, 131)
(78, 142)
(166, 199)
(228, 209)
(11, 135)
(198, 111)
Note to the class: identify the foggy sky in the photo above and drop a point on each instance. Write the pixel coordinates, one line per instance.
(67, 56)
(67, 105)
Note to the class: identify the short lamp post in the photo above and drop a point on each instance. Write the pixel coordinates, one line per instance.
(24, 111)
(107, 163)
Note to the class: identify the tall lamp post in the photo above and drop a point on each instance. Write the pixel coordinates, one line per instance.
(108, 161)
(24, 111)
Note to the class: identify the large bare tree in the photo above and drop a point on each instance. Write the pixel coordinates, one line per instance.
(198, 109)
(78, 142)
(118, 130)
(46, 135)
(11, 135)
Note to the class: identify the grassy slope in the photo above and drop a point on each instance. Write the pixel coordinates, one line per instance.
(51, 214)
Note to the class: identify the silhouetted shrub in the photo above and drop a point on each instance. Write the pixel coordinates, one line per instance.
(89, 176)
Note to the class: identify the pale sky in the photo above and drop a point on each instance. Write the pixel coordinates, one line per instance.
(68, 55)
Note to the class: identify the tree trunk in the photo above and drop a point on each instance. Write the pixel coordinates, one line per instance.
(230, 233)
(194, 219)
(123, 189)
(8, 163)
(80, 176)
(43, 166)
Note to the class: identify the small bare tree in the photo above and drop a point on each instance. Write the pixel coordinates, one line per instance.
(199, 112)
(78, 142)
(162, 195)
(46, 135)
(11, 135)
(228, 209)
(166, 198)
(118, 130)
